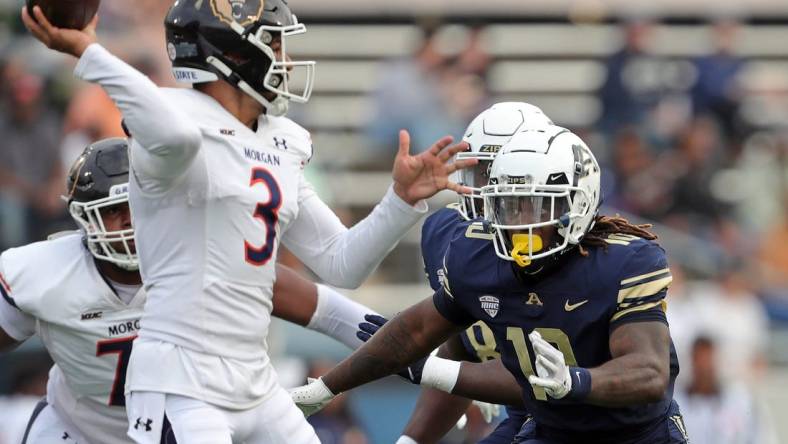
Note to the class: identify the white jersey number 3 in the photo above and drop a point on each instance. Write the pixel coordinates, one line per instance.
(268, 213)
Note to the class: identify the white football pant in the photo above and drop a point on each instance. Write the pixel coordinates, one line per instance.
(276, 420)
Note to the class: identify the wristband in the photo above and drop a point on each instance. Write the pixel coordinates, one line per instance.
(440, 374)
(581, 384)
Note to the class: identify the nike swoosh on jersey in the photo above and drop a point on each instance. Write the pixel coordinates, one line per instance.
(570, 307)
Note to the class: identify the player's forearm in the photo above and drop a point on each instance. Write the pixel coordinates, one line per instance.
(408, 337)
(489, 382)
(639, 372)
(628, 380)
(152, 121)
(346, 257)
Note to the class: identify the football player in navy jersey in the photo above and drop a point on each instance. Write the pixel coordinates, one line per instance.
(575, 302)
(437, 412)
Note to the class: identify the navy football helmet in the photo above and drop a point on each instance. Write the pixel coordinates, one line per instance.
(98, 179)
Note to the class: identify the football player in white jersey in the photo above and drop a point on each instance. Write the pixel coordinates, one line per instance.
(216, 183)
(87, 308)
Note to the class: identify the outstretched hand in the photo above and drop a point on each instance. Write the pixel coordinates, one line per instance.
(68, 41)
(423, 175)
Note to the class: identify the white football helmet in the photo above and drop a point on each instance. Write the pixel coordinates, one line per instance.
(486, 134)
(545, 177)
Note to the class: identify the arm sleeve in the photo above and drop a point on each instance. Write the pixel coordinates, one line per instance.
(643, 287)
(16, 323)
(338, 317)
(169, 141)
(345, 257)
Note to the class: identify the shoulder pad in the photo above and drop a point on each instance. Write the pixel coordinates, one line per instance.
(22, 268)
(291, 137)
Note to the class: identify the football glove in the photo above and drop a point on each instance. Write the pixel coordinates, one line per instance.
(374, 323)
(552, 373)
(311, 398)
(488, 411)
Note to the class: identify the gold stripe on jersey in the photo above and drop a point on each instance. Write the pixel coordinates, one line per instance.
(661, 303)
(644, 290)
(643, 276)
(620, 239)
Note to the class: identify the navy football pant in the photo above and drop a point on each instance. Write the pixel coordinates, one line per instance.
(670, 430)
(506, 430)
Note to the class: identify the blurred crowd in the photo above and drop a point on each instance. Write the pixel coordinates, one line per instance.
(675, 146)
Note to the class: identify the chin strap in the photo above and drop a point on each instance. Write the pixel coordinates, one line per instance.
(277, 107)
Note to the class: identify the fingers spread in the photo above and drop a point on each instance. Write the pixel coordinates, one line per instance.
(452, 150)
(460, 189)
(440, 144)
(404, 143)
(461, 164)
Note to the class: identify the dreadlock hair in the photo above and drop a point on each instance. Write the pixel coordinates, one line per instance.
(604, 226)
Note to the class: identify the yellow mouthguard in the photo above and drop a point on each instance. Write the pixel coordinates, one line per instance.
(523, 245)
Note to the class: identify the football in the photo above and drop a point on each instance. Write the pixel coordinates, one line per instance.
(72, 14)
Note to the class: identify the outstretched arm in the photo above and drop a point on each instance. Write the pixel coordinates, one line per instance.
(346, 257)
(169, 140)
(488, 381)
(410, 335)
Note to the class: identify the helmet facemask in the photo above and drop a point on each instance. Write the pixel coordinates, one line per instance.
(471, 205)
(110, 246)
(270, 73)
(520, 215)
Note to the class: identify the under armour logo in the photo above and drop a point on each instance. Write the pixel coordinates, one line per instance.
(147, 424)
(280, 143)
(65, 436)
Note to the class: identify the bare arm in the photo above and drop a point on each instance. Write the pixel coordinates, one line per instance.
(640, 369)
(295, 298)
(411, 335)
(489, 382)
(436, 412)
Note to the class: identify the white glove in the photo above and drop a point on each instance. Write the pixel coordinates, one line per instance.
(311, 398)
(462, 422)
(489, 411)
(551, 370)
